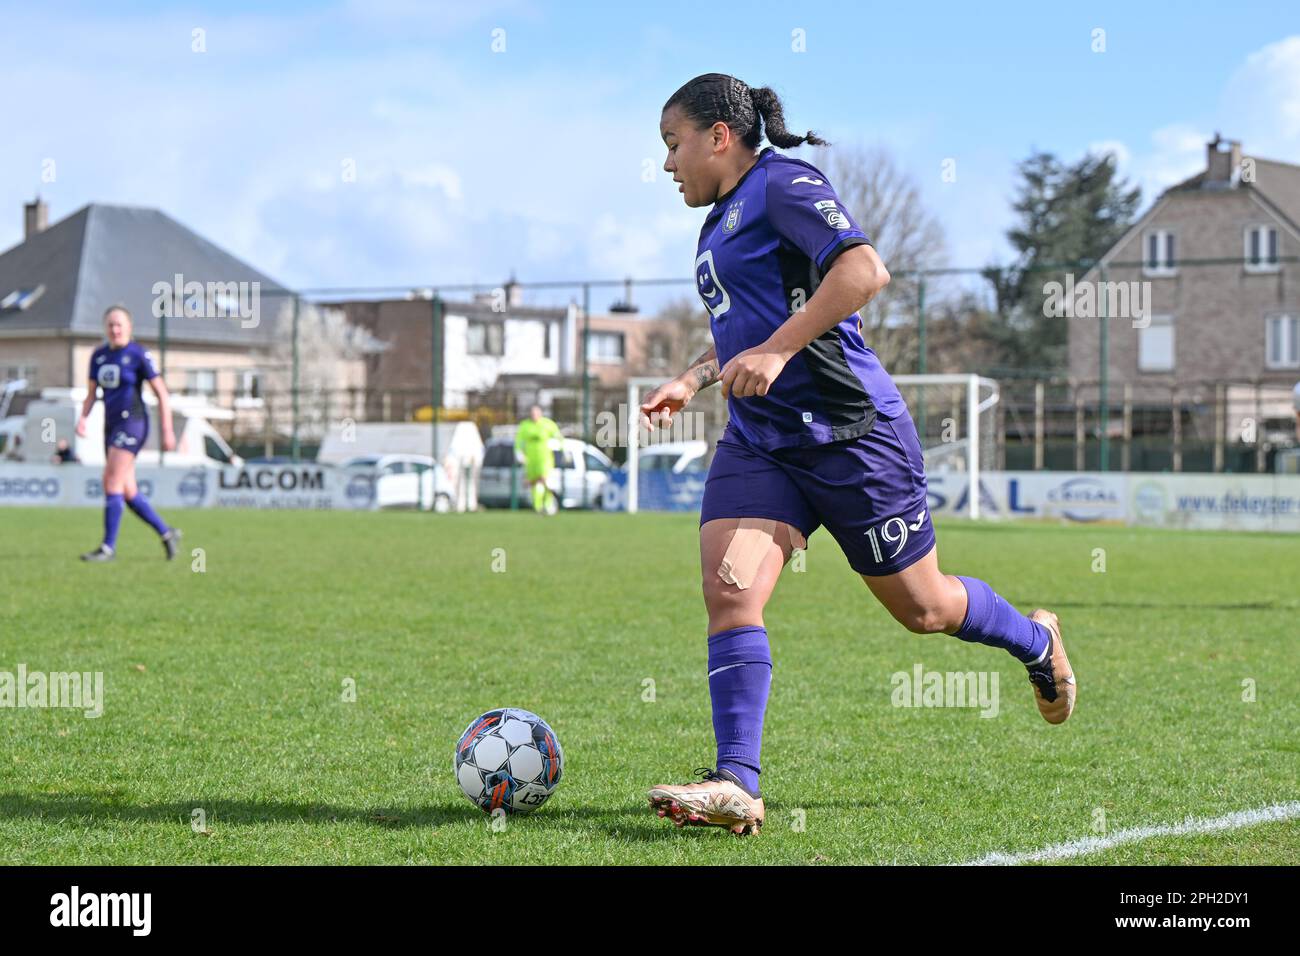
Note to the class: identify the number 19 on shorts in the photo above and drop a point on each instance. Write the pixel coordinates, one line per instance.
(892, 533)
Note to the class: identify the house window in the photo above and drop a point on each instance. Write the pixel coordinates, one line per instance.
(201, 381)
(21, 298)
(1261, 249)
(1156, 345)
(1282, 341)
(14, 372)
(248, 383)
(1158, 253)
(604, 346)
(546, 340)
(486, 338)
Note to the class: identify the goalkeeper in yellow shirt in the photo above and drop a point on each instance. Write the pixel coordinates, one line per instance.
(533, 439)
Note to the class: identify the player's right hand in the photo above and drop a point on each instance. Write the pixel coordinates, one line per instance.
(658, 408)
(81, 426)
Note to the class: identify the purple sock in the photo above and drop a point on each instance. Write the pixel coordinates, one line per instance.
(112, 520)
(740, 673)
(140, 505)
(991, 620)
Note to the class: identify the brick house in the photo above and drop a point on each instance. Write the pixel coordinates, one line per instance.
(1219, 253)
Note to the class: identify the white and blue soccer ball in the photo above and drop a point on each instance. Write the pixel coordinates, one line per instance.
(508, 759)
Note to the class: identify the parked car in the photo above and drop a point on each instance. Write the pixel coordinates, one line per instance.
(407, 481)
(578, 465)
(197, 441)
(675, 456)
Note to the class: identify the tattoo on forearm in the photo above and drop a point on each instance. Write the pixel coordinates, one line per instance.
(705, 375)
(704, 370)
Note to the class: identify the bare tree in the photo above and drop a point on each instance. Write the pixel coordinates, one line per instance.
(331, 367)
(886, 201)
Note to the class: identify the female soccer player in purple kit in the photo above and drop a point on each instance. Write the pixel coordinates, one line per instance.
(121, 367)
(818, 433)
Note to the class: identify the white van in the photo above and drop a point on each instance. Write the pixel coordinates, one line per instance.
(53, 416)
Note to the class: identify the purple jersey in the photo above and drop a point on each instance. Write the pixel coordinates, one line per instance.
(763, 250)
(121, 373)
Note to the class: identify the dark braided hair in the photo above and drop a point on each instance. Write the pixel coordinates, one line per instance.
(716, 97)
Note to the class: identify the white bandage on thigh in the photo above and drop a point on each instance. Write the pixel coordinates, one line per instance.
(747, 548)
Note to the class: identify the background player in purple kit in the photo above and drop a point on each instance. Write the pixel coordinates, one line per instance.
(121, 367)
(818, 433)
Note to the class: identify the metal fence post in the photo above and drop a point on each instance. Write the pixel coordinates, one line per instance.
(1080, 435)
(1104, 383)
(586, 385)
(1220, 425)
(1126, 452)
(1176, 416)
(920, 351)
(294, 447)
(1039, 429)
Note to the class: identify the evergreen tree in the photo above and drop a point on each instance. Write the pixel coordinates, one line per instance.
(1069, 216)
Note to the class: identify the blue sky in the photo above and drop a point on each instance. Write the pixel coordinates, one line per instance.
(470, 163)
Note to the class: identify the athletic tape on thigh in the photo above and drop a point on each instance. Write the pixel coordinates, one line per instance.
(748, 547)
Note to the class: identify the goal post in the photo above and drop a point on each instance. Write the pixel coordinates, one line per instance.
(636, 387)
(956, 423)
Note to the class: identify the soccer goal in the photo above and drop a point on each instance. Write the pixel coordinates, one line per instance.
(953, 413)
(956, 419)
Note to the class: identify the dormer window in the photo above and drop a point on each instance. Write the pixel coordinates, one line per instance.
(20, 299)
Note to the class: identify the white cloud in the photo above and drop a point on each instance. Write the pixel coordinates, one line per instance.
(461, 173)
(1261, 102)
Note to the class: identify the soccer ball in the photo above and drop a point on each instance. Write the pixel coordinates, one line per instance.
(508, 759)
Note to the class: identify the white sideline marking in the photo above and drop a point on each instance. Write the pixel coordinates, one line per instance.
(1063, 851)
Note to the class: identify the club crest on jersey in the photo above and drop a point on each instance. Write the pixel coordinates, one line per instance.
(733, 216)
(711, 291)
(834, 218)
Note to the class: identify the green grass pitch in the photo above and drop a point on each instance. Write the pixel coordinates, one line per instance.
(224, 693)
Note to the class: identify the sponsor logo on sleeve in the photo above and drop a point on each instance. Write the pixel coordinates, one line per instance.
(809, 180)
(834, 218)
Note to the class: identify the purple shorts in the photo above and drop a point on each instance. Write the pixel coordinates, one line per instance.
(129, 434)
(869, 492)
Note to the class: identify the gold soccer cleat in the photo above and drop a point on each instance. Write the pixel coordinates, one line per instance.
(1052, 677)
(717, 800)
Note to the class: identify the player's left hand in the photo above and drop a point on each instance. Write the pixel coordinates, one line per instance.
(169, 440)
(751, 372)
